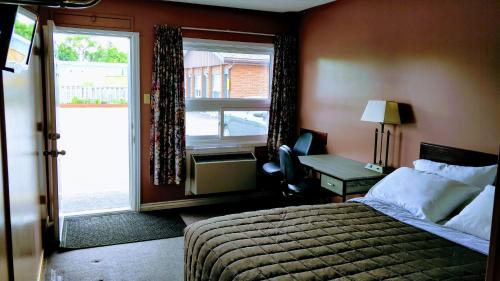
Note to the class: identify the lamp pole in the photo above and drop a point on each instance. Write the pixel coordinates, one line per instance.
(381, 143)
(375, 149)
(387, 147)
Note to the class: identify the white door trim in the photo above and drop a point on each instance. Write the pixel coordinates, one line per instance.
(135, 114)
(134, 107)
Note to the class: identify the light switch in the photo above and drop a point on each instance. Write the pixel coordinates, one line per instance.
(147, 98)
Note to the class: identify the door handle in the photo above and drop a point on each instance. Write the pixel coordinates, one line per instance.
(55, 136)
(54, 153)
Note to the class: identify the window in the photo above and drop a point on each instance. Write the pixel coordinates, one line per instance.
(226, 82)
(216, 86)
(245, 123)
(197, 87)
(188, 86)
(205, 84)
(207, 123)
(232, 91)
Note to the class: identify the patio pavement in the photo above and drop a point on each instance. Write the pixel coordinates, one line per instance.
(94, 172)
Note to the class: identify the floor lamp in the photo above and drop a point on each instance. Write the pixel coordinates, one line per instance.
(382, 112)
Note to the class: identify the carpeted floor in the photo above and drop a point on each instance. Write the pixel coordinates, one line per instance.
(117, 228)
(155, 260)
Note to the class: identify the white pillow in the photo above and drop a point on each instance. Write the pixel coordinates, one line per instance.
(425, 195)
(478, 176)
(476, 218)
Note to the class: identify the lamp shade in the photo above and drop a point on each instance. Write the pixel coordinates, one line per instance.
(386, 112)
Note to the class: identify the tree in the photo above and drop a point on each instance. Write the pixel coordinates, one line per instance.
(110, 54)
(66, 53)
(82, 44)
(83, 48)
(23, 29)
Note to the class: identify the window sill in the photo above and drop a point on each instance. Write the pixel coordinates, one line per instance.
(195, 145)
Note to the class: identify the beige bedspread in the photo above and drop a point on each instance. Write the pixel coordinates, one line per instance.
(348, 241)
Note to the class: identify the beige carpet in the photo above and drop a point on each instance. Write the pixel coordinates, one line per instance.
(155, 260)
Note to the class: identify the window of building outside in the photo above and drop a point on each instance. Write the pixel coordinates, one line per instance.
(216, 85)
(231, 91)
(205, 85)
(188, 86)
(226, 82)
(197, 86)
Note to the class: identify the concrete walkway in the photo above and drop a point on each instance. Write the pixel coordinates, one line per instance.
(94, 173)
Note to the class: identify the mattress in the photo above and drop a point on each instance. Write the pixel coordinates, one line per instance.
(349, 241)
(467, 240)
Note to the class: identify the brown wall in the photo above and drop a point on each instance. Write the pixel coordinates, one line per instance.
(145, 15)
(440, 56)
(22, 97)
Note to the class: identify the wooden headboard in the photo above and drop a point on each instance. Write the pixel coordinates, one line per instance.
(456, 156)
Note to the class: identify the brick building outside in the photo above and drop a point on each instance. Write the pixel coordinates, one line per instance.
(225, 75)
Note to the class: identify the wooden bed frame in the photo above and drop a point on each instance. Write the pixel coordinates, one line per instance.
(456, 156)
(463, 157)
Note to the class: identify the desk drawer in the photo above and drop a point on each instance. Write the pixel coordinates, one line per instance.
(331, 184)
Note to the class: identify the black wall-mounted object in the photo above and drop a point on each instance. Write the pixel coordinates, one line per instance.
(71, 4)
(7, 19)
(17, 32)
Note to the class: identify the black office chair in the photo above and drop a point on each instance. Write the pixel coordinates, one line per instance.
(294, 179)
(302, 147)
(303, 144)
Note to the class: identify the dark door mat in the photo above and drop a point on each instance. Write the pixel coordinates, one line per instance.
(88, 231)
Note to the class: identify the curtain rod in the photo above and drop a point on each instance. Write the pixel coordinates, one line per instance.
(228, 31)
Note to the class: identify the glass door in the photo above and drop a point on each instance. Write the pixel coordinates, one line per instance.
(52, 152)
(92, 107)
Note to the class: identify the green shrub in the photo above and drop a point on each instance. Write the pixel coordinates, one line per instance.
(76, 100)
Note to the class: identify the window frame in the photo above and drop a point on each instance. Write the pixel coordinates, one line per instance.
(224, 103)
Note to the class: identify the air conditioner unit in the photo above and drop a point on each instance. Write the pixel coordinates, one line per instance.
(227, 172)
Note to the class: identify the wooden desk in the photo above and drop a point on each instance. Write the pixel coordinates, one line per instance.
(341, 175)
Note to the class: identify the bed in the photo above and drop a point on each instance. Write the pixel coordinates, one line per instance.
(359, 240)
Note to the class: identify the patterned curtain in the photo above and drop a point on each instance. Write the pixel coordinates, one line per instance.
(282, 119)
(167, 139)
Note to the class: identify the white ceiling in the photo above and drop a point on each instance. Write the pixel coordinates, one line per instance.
(262, 5)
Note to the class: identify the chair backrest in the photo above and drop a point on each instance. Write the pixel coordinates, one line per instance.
(303, 145)
(288, 164)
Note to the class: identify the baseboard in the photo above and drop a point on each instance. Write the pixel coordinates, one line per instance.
(193, 202)
(41, 267)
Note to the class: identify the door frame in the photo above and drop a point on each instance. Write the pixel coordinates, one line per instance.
(133, 106)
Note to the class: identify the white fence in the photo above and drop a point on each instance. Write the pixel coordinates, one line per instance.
(105, 95)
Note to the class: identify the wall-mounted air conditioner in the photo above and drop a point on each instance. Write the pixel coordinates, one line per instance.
(224, 172)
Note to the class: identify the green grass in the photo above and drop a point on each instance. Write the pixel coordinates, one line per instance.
(76, 100)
